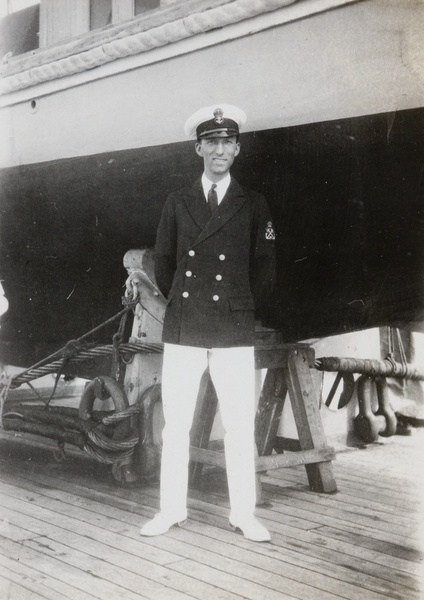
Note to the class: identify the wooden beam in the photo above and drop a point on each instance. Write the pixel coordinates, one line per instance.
(272, 356)
(265, 463)
(270, 408)
(294, 459)
(307, 418)
(204, 416)
(210, 457)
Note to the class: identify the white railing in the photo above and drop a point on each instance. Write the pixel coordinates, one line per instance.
(68, 47)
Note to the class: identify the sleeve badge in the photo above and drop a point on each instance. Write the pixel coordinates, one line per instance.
(269, 231)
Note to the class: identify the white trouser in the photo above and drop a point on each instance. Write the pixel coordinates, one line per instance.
(232, 371)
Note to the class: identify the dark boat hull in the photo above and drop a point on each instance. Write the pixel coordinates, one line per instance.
(346, 197)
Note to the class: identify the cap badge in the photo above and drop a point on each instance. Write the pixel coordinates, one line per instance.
(269, 231)
(219, 116)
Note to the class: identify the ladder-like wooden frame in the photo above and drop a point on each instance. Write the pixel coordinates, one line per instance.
(288, 370)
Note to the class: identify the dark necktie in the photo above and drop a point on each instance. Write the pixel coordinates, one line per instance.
(213, 198)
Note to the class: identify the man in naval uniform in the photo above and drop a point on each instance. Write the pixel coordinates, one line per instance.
(214, 262)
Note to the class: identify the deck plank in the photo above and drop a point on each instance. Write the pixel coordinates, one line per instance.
(81, 579)
(329, 512)
(336, 565)
(46, 585)
(84, 522)
(353, 485)
(371, 530)
(69, 525)
(307, 495)
(278, 561)
(341, 508)
(11, 589)
(84, 551)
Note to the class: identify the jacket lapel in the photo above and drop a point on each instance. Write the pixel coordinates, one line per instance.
(230, 205)
(197, 205)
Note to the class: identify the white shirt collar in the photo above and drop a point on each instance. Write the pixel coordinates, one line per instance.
(221, 187)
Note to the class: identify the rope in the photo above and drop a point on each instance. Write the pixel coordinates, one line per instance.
(394, 335)
(84, 354)
(61, 426)
(102, 441)
(117, 340)
(371, 367)
(71, 349)
(66, 350)
(134, 409)
(143, 41)
(97, 444)
(106, 458)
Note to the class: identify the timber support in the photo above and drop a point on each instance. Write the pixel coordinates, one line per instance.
(288, 373)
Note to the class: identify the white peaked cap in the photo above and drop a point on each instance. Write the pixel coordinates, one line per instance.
(218, 119)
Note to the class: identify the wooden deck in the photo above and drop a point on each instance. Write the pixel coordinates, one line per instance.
(67, 531)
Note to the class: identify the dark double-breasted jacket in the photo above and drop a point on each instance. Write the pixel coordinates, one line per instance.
(214, 270)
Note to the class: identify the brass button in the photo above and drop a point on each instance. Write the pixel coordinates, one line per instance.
(218, 277)
(189, 273)
(221, 257)
(185, 294)
(191, 253)
(215, 298)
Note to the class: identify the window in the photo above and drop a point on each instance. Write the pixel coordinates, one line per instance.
(100, 13)
(28, 25)
(19, 29)
(141, 6)
(7, 7)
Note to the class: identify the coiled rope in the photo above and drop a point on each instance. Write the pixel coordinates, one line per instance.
(62, 424)
(90, 436)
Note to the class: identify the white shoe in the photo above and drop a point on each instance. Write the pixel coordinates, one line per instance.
(251, 529)
(160, 524)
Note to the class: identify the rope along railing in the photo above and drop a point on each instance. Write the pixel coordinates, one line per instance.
(81, 356)
(110, 439)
